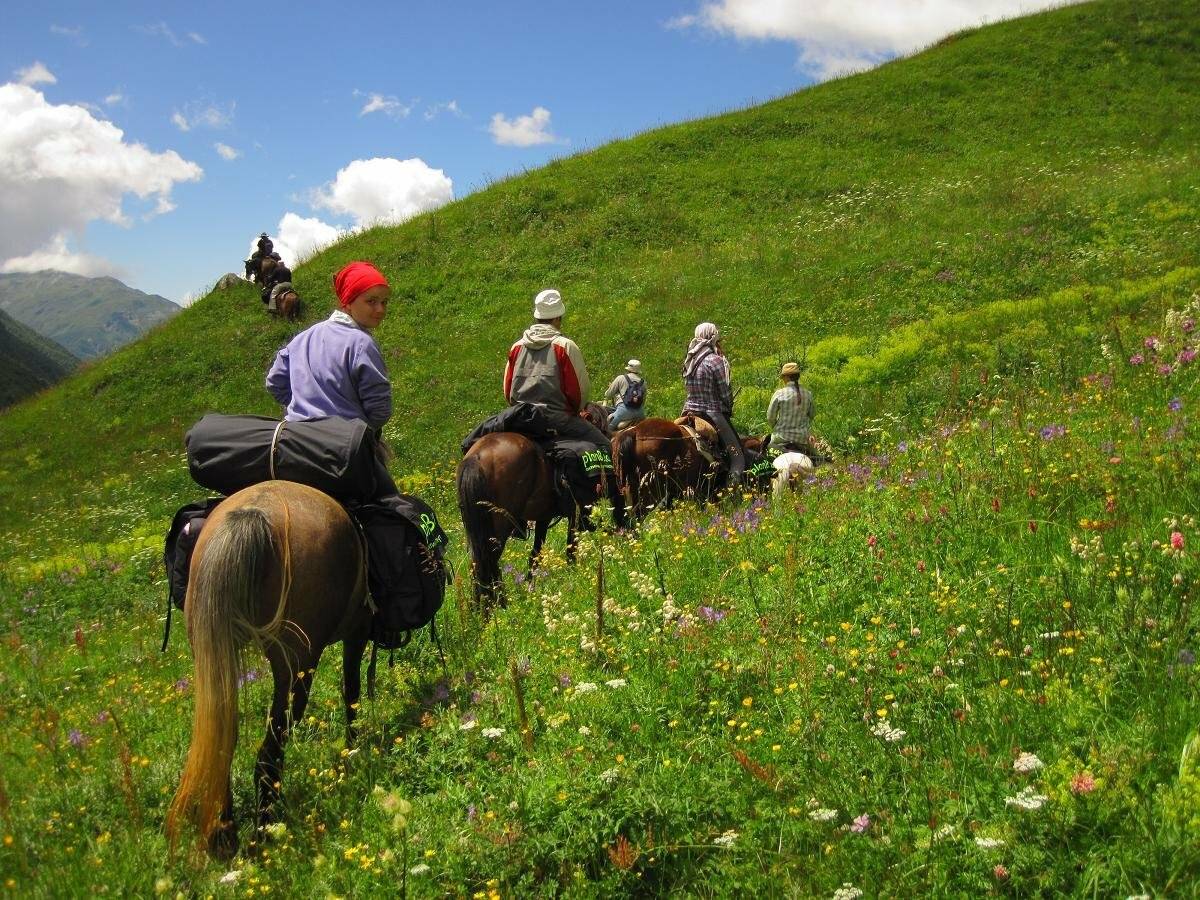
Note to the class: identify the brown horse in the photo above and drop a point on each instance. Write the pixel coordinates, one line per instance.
(657, 462)
(288, 307)
(505, 481)
(280, 565)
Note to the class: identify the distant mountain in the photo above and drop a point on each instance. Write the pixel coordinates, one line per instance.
(28, 361)
(90, 317)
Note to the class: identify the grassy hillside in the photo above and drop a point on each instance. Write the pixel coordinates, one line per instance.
(1004, 166)
(28, 361)
(961, 663)
(88, 316)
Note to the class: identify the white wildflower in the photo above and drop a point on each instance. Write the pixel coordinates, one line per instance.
(608, 776)
(847, 892)
(492, 733)
(944, 832)
(584, 730)
(418, 869)
(726, 839)
(276, 829)
(988, 843)
(821, 814)
(230, 877)
(616, 683)
(883, 729)
(1027, 762)
(1027, 800)
(585, 687)
(468, 725)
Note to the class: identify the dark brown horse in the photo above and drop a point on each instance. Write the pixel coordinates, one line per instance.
(287, 307)
(657, 462)
(505, 481)
(279, 565)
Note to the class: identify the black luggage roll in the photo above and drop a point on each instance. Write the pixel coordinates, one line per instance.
(333, 455)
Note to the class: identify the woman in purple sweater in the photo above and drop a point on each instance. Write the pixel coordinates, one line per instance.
(335, 368)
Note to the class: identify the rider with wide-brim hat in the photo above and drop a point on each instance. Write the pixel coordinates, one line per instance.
(790, 413)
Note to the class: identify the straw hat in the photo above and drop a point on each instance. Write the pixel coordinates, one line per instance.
(789, 369)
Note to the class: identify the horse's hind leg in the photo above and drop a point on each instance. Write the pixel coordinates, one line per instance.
(539, 538)
(291, 688)
(352, 654)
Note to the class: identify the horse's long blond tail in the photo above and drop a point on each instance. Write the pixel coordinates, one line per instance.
(222, 598)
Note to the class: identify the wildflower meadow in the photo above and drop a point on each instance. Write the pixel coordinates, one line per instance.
(960, 660)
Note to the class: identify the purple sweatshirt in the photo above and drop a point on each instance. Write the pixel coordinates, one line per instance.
(333, 368)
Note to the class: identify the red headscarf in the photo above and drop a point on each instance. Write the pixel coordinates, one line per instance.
(355, 278)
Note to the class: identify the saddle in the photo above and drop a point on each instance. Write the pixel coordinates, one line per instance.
(703, 434)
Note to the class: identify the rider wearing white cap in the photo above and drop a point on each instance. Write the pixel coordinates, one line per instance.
(628, 399)
(545, 368)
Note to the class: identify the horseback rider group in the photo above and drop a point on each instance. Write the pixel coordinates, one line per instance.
(266, 268)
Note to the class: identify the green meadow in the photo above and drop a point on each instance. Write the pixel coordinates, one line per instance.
(960, 661)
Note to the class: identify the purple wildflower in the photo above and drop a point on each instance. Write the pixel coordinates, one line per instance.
(1151, 343)
(711, 613)
(472, 812)
(101, 717)
(182, 684)
(248, 677)
(564, 680)
(1050, 432)
(861, 824)
(1187, 355)
(1164, 369)
(1187, 657)
(1137, 359)
(441, 691)
(77, 738)
(1175, 405)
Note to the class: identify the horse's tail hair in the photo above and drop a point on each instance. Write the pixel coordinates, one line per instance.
(475, 503)
(627, 473)
(221, 603)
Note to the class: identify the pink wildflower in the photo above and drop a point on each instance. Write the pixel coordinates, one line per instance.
(861, 824)
(1000, 872)
(1176, 540)
(1083, 783)
(1137, 359)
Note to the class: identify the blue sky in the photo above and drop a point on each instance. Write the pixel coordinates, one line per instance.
(299, 93)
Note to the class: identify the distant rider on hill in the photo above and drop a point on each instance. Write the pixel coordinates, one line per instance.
(710, 394)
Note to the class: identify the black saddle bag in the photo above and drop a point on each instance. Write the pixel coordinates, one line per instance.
(181, 541)
(406, 570)
(333, 455)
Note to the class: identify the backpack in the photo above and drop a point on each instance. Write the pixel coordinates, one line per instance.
(635, 394)
(406, 572)
(180, 542)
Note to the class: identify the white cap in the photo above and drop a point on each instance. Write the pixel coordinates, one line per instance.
(548, 305)
(634, 366)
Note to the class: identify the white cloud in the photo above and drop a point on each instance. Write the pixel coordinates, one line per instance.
(61, 168)
(201, 115)
(227, 153)
(385, 190)
(196, 37)
(450, 106)
(524, 131)
(74, 32)
(57, 255)
(298, 238)
(388, 105)
(160, 29)
(836, 36)
(114, 99)
(35, 74)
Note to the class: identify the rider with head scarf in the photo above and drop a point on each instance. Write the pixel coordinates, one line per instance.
(335, 368)
(710, 395)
